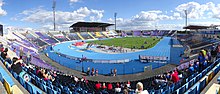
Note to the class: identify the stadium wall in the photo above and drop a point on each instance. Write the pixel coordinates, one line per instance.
(122, 68)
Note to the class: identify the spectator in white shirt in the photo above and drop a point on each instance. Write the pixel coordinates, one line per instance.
(139, 89)
(118, 88)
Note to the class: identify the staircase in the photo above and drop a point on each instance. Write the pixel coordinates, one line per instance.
(33, 34)
(66, 36)
(80, 36)
(91, 35)
(105, 33)
(20, 35)
(174, 33)
(52, 36)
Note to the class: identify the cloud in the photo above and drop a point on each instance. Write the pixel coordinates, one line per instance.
(193, 9)
(129, 24)
(154, 15)
(150, 19)
(71, 2)
(176, 15)
(200, 11)
(2, 12)
(207, 23)
(170, 26)
(142, 20)
(216, 12)
(74, 1)
(63, 19)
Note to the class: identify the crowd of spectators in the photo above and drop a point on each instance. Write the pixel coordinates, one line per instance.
(61, 79)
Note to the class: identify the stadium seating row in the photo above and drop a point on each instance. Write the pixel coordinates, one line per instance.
(200, 85)
(10, 85)
(45, 86)
(8, 82)
(41, 39)
(194, 84)
(197, 82)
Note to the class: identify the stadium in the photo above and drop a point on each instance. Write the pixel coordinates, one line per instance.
(107, 57)
(90, 58)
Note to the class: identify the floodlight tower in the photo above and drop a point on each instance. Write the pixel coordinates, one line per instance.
(186, 14)
(115, 15)
(54, 15)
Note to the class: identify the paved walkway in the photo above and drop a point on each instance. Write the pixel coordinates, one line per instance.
(2, 89)
(214, 80)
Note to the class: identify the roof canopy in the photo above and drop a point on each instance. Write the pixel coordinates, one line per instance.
(196, 27)
(90, 24)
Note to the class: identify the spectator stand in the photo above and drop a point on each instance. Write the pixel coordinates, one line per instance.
(10, 83)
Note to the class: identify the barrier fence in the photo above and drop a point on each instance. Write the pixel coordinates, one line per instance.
(93, 60)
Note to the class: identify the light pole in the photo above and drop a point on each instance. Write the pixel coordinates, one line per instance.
(124, 68)
(186, 14)
(82, 66)
(54, 14)
(115, 15)
(82, 59)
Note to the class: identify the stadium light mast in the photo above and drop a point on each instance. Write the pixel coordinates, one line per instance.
(115, 15)
(186, 14)
(54, 15)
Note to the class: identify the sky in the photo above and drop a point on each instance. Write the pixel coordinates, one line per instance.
(131, 14)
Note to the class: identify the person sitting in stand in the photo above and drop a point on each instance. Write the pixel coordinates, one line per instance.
(104, 86)
(117, 88)
(139, 89)
(174, 76)
(126, 89)
(128, 84)
(104, 89)
(97, 86)
(191, 69)
(205, 64)
(5, 56)
(196, 66)
(109, 88)
(17, 65)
